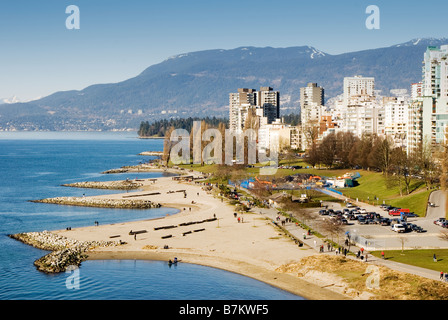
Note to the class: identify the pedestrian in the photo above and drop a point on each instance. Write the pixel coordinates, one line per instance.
(328, 246)
(441, 275)
(239, 219)
(434, 258)
(315, 243)
(366, 256)
(358, 254)
(135, 236)
(382, 254)
(304, 236)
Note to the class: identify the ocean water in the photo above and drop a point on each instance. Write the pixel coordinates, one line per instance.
(34, 166)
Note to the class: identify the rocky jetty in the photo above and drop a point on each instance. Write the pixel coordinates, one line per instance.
(112, 185)
(65, 252)
(102, 203)
(151, 153)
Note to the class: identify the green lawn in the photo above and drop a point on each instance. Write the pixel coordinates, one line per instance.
(372, 184)
(419, 258)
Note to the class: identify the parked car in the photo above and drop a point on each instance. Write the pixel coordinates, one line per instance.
(350, 205)
(385, 221)
(362, 220)
(362, 210)
(323, 212)
(439, 221)
(416, 228)
(398, 228)
(444, 224)
(411, 215)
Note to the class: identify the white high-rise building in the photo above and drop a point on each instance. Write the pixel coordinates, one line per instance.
(396, 115)
(356, 87)
(435, 94)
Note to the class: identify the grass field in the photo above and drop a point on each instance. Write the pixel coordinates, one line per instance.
(371, 184)
(419, 258)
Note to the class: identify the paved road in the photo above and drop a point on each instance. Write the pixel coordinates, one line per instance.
(439, 199)
(391, 239)
(314, 242)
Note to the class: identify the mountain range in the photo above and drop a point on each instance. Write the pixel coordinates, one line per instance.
(199, 83)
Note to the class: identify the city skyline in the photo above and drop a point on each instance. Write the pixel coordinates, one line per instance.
(117, 41)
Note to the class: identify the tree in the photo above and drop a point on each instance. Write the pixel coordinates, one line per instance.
(332, 227)
(313, 155)
(328, 149)
(345, 142)
(402, 166)
(382, 154)
(443, 158)
(424, 160)
(167, 146)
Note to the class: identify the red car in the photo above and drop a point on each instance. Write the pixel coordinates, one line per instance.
(397, 212)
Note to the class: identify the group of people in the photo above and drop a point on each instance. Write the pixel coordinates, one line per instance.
(239, 219)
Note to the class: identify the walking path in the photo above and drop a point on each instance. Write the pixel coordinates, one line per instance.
(315, 242)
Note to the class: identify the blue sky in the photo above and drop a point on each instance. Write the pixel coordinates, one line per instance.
(119, 39)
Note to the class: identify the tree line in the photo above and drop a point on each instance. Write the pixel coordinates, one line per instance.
(159, 128)
(371, 152)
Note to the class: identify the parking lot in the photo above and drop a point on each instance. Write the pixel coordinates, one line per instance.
(375, 236)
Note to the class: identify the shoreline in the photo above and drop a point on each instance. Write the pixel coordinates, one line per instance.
(283, 281)
(253, 248)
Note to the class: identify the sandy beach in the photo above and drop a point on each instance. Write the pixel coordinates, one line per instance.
(253, 247)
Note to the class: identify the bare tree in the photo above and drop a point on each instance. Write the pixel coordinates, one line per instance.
(403, 240)
(167, 146)
(345, 142)
(402, 169)
(424, 161)
(333, 228)
(328, 149)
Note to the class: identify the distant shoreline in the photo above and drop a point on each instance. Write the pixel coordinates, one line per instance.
(140, 137)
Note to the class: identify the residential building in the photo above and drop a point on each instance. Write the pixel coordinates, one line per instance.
(239, 104)
(396, 115)
(358, 86)
(265, 103)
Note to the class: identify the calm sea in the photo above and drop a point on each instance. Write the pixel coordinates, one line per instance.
(34, 166)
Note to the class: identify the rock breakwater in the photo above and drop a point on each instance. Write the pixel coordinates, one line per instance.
(100, 202)
(113, 185)
(65, 252)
